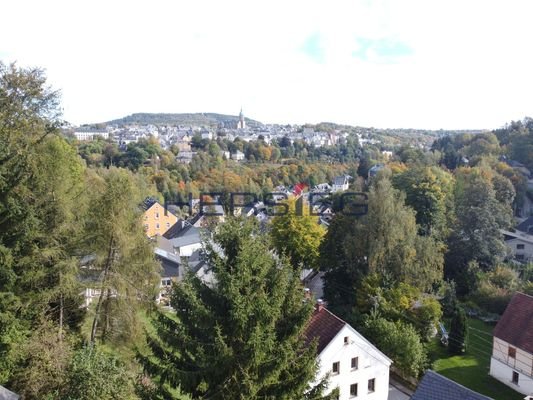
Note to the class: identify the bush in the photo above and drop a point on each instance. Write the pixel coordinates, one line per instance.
(495, 289)
(93, 374)
(399, 341)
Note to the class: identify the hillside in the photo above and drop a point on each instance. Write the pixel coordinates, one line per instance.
(197, 119)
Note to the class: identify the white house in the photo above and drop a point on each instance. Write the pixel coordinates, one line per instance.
(354, 365)
(237, 156)
(340, 183)
(512, 350)
(83, 135)
(520, 245)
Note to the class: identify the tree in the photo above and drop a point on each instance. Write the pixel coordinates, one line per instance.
(400, 342)
(40, 185)
(124, 259)
(458, 331)
(385, 241)
(428, 191)
(479, 217)
(240, 338)
(297, 235)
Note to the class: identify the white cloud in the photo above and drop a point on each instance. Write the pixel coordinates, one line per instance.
(468, 63)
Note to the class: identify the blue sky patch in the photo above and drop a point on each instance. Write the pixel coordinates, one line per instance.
(386, 50)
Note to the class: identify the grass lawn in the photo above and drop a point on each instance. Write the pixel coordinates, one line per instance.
(472, 368)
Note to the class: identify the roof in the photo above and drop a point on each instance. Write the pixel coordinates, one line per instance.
(7, 394)
(340, 180)
(518, 235)
(147, 203)
(174, 230)
(526, 225)
(170, 269)
(434, 386)
(516, 324)
(188, 236)
(323, 325)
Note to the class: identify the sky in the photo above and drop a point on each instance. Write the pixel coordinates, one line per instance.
(422, 64)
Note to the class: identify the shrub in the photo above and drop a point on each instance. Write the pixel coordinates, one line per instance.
(399, 341)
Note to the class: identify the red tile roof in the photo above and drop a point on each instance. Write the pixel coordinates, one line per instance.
(516, 324)
(323, 325)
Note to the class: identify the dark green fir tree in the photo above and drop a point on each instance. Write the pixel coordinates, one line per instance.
(240, 337)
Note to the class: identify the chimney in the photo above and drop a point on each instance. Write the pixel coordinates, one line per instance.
(319, 305)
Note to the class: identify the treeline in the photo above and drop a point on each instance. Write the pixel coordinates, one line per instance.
(210, 171)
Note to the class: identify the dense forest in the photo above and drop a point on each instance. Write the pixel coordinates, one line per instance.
(70, 213)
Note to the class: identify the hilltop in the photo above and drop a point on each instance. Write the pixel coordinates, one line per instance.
(193, 119)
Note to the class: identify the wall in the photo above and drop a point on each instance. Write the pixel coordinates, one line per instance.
(370, 366)
(527, 251)
(502, 367)
(156, 215)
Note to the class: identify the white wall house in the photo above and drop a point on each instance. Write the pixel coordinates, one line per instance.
(356, 367)
(340, 183)
(90, 134)
(520, 245)
(512, 350)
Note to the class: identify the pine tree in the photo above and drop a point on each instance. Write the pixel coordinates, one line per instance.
(458, 331)
(242, 337)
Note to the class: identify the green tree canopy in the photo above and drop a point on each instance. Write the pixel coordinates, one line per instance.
(297, 235)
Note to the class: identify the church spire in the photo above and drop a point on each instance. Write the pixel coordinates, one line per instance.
(242, 123)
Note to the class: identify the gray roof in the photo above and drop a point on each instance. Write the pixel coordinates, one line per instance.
(434, 386)
(526, 226)
(7, 394)
(187, 237)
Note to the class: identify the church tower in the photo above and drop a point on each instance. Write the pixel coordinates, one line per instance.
(241, 124)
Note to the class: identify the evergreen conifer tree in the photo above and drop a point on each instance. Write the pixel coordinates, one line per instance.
(240, 338)
(458, 330)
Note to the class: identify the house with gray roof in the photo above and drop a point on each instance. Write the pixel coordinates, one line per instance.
(434, 386)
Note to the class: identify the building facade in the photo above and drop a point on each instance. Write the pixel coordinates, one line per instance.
(357, 368)
(512, 351)
(157, 220)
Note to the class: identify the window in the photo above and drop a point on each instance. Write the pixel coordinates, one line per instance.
(511, 352)
(519, 257)
(355, 362)
(371, 385)
(168, 224)
(156, 215)
(336, 367)
(515, 378)
(520, 247)
(346, 340)
(156, 226)
(353, 390)
(166, 282)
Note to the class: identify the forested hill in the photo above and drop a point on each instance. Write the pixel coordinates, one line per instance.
(196, 119)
